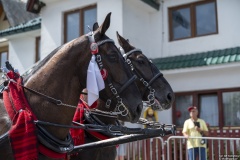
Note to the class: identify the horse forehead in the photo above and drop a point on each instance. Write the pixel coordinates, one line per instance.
(110, 47)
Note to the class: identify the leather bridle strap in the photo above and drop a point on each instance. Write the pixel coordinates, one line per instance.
(130, 81)
(153, 79)
(145, 83)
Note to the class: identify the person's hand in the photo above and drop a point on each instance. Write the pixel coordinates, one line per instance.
(198, 129)
(186, 136)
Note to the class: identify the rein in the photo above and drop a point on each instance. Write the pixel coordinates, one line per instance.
(154, 128)
(144, 82)
(66, 146)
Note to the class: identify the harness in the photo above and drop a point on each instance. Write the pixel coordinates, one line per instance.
(66, 146)
(44, 137)
(144, 82)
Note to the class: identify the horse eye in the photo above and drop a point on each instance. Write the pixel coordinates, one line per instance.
(113, 57)
(140, 60)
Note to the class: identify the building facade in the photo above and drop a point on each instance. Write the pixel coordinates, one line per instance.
(194, 43)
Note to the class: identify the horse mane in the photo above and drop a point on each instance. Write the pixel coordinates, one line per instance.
(39, 64)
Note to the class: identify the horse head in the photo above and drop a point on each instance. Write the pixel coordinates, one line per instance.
(120, 83)
(153, 86)
(62, 75)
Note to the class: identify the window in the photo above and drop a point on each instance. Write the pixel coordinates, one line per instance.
(182, 103)
(209, 109)
(193, 20)
(3, 56)
(219, 108)
(38, 49)
(231, 108)
(76, 22)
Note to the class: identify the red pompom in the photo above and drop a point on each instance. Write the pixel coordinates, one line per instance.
(104, 73)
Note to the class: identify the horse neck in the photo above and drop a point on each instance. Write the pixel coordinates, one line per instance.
(59, 78)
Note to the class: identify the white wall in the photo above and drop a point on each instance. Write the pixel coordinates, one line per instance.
(141, 26)
(228, 27)
(52, 20)
(149, 30)
(22, 52)
(204, 78)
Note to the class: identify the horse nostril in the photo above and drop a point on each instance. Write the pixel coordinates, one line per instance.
(139, 109)
(169, 97)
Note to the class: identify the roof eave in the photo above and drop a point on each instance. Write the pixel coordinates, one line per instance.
(152, 3)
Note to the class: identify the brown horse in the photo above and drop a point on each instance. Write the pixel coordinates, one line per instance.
(150, 82)
(62, 76)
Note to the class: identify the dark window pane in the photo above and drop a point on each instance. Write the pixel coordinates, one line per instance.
(231, 107)
(182, 104)
(3, 58)
(181, 21)
(206, 19)
(90, 17)
(73, 25)
(209, 109)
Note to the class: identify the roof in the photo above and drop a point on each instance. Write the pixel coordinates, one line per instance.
(209, 58)
(16, 13)
(29, 26)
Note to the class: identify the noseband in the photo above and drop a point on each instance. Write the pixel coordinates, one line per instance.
(120, 107)
(135, 72)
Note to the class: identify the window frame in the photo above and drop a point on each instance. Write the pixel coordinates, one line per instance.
(196, 101)
(80, 11)
(192, 7)
(4, 49)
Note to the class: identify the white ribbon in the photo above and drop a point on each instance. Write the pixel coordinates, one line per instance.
(95, 81)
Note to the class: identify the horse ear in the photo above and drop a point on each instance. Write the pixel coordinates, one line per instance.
(95, 26)
(106, 24)
(123, 42)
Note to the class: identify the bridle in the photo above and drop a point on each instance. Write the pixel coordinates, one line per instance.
(147, 85)
(120, 107)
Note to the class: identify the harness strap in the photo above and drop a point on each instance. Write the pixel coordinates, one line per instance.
(50, 99)
(153, 79)
(57, 145)
(145, 83)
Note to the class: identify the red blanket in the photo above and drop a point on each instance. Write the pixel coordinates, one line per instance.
(78, 134)
(23, 132)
